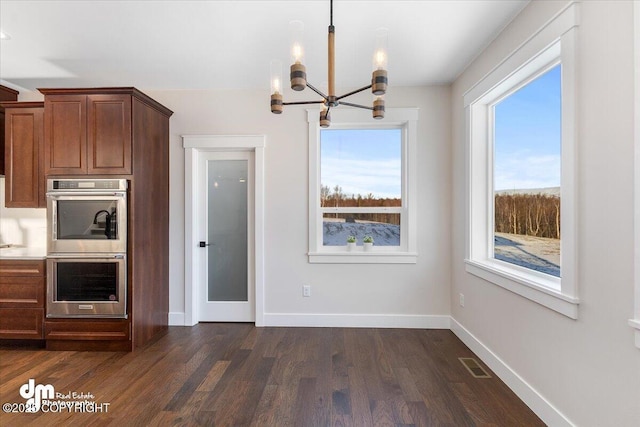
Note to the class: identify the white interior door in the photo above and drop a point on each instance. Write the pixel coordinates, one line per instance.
(226, 224)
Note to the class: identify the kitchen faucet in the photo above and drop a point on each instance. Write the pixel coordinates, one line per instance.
(107, 228)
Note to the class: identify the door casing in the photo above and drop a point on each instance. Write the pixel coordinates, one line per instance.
(194, 145)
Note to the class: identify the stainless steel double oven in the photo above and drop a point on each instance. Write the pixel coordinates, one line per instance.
(87, 248)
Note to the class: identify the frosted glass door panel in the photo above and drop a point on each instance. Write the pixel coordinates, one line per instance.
(227, 230)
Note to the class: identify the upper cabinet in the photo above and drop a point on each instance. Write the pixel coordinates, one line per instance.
(93, 130)
(6, 94)
(87, 133)
(24, 179)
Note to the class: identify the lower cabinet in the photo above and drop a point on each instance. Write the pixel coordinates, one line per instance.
(88, 334)
(22, 314)
(21, 323)
(22, 295)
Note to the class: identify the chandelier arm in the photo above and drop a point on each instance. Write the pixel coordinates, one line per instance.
(303, 102)
(310, 86)
(353, 93)
(356, 105)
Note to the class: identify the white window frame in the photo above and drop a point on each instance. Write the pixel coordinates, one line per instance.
(346, 118)
(554, 43)
(635, 322)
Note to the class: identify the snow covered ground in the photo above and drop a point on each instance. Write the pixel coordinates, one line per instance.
(335, 233)
(537, 253)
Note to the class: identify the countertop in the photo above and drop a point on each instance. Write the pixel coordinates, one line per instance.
(21, 252)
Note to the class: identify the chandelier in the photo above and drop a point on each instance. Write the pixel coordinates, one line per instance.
(298, 75)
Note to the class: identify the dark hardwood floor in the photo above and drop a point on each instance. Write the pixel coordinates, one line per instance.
(220, 374)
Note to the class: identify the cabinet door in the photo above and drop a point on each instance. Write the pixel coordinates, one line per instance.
(6, 94)
(22, 292)
(65, 136)
(21, 323)
(24, 181)
(109, 134)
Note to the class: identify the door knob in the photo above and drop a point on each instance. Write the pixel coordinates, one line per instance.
(204, 244)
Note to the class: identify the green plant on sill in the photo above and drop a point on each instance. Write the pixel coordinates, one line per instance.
(351, 239)
(367, 239)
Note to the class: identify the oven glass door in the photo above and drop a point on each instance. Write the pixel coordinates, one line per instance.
(86, 287)
(87, 223)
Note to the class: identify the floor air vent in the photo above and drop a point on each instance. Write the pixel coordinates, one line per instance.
(474, 367)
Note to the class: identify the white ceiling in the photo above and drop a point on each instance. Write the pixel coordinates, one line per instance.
(158, 45)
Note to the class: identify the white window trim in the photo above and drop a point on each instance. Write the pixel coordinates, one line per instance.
(635, 322)
(554, 42)
(407, 119)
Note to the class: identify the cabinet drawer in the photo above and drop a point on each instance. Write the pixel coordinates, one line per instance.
(22, 292)
(19, 323)
(10, 267)
(87, 330)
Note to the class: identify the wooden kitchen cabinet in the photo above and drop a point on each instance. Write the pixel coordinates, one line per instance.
(24, 137)
(117, 133)
(6, 94)
(22, 299)
(87, 133)
(88, 334)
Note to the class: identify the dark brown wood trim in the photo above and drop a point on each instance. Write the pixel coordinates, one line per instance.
(7, 92)
(22, 104)
(110, 91)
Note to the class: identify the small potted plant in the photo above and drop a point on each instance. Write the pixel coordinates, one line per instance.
(367, 243)
(351, 242)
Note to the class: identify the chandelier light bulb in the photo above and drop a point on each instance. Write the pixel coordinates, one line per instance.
(276, 87)
(276, 76)
(380, 57)
(296, 54)
(296, 31)
(380, 60)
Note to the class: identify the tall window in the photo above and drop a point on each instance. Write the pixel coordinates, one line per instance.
(527, 153)
(362, 185)
(521, 187)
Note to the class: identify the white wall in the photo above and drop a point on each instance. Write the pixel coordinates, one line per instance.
(589, 369)
(412, 290)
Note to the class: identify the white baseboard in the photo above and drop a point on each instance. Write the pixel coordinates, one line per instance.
(538, 404)
(176, 318)
(357, 320)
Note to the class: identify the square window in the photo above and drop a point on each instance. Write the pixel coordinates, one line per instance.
(361, 184)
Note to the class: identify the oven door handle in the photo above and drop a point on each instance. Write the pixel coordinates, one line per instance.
(88, 255)
(58, 195)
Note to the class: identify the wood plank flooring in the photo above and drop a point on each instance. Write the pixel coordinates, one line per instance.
(218, 374)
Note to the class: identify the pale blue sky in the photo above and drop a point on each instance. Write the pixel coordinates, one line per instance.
(527, 129)
(362, 161)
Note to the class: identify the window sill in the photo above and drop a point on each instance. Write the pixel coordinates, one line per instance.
(528, 286)
(362, 257)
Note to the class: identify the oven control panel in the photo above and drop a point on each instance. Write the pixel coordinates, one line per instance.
(87, 184)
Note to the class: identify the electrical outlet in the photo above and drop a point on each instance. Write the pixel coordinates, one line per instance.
(306, 290)
(461, 300)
